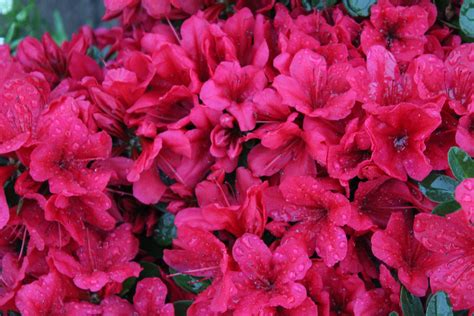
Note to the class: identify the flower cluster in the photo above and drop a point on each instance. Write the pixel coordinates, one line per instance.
(278, 148)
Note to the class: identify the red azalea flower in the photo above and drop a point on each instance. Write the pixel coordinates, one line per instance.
(129, 80)
(115, 7)
(12, 275)
(5, 173)
(450, 79)
(173, 68)
(451, 240)
(333, 291)
(259, 6)
(465, 133)
(247, 37)
(226, 139)
(284, 148)
(377, 199)
(238, 212)
(358, 259)
(319, 212)
(397, 247)
(465, 196)
(43, 233)
(380, 301)
(398, 144)
(149, 298)
(399, 29)
(197, 252)
(232, 88)
(182, 156)
(442, 139)
(381, 84)
(64, 154)
(460, 72)
(47, 296)
(45, 57)
(345, 159)
(314, 89)
(74, 212)
(21, 103)
(267, 279)
(104, 258)
(169, 111)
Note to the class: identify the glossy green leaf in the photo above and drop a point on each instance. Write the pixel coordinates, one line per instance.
(317, 4)
(461, 163)
(466, 17)
(189, 283)
(411, 305)
(393, 314)
(358, 7)
(445, 208)
(150, 270)
(181, 307)
(165, 231)
(438, 187)
(439, 305)
(127, 286)
(59, 32)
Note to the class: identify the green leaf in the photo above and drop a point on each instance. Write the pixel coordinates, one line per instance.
(358, 7)
(438, 187)
(439, 305)
(445, 208)
(11, 33)
(317, 4)
(165, 231)
(189, 283)
(393, 314)
(181, 307)
(59, 32)
(461, 163)
(466, 17)
(128, 285)
(411, 305)
(150, 270)
(441, 5)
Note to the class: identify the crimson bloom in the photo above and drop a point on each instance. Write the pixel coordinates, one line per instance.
(104, 258)
(64, 154)
(381, 83)
(48, 296)
(377, 199)
(451, 240)
(333, 291)
(465, 196)
(74, 212)
(449, 79)
(232, 88)
(238, 212)
(380, 301)
(284, 148)
(399, 29)
(314, 89)
(465, 134)
(199, 253)
(267, 279)
(398, 144)
(21, 103)
(398, 248)
(319, 213)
